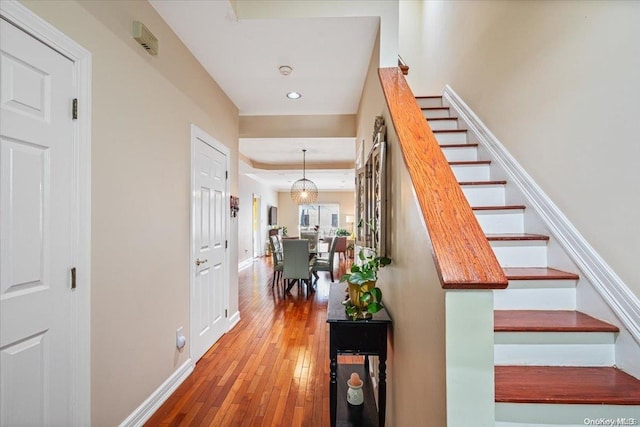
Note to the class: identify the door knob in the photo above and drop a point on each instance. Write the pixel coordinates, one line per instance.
(198, 261)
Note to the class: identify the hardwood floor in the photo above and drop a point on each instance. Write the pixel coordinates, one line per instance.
(272, 369)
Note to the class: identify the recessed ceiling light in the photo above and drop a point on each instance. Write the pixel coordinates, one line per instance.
(294, 95)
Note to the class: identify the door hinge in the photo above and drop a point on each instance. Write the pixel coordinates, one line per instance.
(226, 244)
(74, 109)
(73, 277)
(226, 314)
(226, 174)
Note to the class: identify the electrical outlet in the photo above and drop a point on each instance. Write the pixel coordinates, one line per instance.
(181, 341)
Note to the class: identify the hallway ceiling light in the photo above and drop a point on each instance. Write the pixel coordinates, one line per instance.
(294, 95)
(304, 191)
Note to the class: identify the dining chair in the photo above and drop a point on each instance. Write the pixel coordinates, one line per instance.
(312, 237)
(277, 257)
(325, 264)
(296, 263)
(341, 246)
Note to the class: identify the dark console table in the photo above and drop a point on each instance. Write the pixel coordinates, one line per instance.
(365, 337)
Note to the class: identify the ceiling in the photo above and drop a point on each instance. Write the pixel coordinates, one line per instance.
(329, 57)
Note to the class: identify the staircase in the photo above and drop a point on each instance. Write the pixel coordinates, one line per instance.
(554, 366)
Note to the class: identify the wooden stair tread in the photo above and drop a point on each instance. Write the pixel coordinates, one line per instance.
(457, 146)
(470, 162)
(497, 208)
(429, 97)
(537, 273)
(565, 385)
(483, 183)
(548, 321)
(434, 108)
(450, 131)
(515, 237)
(441, 118)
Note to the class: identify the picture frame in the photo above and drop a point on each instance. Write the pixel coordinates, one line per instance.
(234, 204)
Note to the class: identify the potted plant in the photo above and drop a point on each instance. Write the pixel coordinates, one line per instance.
(342, 232)
(365, 298)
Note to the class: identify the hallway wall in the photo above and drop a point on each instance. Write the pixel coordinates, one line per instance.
(268, 197)
(142, 110)
(410, 285)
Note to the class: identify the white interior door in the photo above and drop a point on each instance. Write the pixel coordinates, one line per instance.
(38, 204)
(210, 278)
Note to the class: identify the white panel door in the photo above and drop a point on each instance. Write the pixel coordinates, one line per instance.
(209, 246)
(37, 207)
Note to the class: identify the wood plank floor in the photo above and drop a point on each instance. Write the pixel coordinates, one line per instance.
(272, 369)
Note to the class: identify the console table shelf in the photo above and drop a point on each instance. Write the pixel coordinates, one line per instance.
(364, 337)
(348, 415)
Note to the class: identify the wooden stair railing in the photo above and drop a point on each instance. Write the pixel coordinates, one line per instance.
(461, 251)
(403, 66)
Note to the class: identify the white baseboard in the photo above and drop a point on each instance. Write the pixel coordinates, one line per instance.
(158, 397)
(611, 288)
(233, 320)
(246, 263)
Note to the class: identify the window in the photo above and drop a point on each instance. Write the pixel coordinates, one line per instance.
(323, 215)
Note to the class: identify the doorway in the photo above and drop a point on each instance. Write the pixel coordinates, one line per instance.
(209, 241)
(255, 227)
(45, 224)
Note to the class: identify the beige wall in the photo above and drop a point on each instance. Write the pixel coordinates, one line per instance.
(268, 197)
(411, 288)
(319, 126)
(143, 107)
(288, 210)
(371, 105)
(557, 83)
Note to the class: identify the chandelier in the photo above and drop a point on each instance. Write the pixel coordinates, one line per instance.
(304, 191)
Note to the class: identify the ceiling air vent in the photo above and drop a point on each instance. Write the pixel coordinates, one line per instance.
(143, 36)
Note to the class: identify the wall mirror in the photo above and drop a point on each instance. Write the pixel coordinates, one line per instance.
(371, 194)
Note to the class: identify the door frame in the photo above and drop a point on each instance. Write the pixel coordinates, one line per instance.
(199, 134)
(256, 206)
(80, 351)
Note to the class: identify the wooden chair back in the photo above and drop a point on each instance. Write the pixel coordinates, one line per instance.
(296, 259)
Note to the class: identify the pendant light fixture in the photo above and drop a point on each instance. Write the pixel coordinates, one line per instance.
(304, 191)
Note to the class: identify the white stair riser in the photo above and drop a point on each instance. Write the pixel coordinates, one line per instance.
(471, 172)
(461, 154)
(506, 221)
(536, 295)
(435, 114)
(554, 348)
(443, 124)
(554, 415)
(484, 195)
(429, 102)
(530, 253)
(451, 137)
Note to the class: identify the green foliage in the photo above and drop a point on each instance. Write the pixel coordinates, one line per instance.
(362, 273)
(342, 232)
(367, 270)
(352, 310)
(373, 304)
